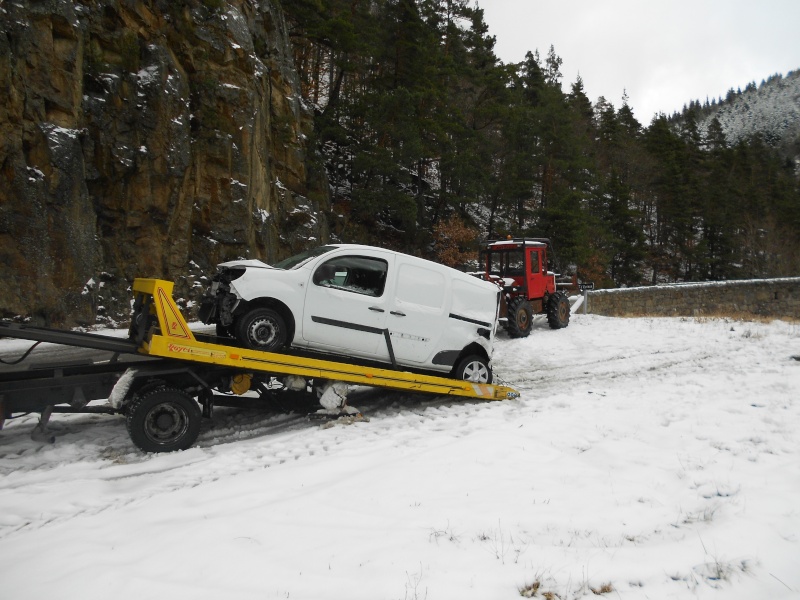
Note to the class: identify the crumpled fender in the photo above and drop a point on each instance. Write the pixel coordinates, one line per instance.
(286, 286)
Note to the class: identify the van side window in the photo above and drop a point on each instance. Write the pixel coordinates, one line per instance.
(357, 274)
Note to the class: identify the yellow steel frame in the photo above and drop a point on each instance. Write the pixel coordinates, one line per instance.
(174, 339)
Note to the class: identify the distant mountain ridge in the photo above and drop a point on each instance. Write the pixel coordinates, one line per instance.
(771, 110)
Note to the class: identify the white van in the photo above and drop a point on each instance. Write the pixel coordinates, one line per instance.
(362, 302)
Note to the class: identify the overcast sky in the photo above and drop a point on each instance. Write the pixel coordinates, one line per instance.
(664, 53)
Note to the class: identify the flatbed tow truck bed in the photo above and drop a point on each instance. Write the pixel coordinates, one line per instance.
(164, 378)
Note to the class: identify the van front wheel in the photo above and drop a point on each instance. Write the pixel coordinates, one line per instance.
(262, 329)
(474, 368)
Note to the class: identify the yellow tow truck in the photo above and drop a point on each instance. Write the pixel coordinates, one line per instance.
(164, 378)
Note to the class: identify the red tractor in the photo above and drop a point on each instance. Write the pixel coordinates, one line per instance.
(520, 267)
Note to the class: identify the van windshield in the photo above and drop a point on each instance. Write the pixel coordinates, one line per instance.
(298, 260)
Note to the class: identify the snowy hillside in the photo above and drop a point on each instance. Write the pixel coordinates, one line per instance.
(646, 458)
(772, 109)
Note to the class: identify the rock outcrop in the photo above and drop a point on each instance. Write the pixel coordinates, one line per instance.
(146, 138)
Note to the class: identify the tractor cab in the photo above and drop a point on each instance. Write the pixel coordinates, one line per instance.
(522, 268)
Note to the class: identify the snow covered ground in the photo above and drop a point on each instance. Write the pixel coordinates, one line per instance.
(646, 458)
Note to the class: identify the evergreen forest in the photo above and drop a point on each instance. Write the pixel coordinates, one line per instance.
(431, 144)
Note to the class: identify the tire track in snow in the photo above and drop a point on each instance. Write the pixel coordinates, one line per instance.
(233, 445)
(99, 453)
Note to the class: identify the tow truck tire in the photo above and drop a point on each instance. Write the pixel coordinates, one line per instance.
(558, 311)
(261, 329)
(520, 318)
(473, 368)
(164, 420)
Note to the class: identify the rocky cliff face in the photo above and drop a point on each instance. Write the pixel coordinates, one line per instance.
(145, 138)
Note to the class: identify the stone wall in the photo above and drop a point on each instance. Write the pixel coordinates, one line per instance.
(763, 297)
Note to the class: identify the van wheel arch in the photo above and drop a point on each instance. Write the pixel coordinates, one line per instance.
(473, 350)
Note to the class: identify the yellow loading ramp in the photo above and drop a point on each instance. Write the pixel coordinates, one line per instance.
(175, 340)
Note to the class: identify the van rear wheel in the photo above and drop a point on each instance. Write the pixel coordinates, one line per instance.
(474, 368)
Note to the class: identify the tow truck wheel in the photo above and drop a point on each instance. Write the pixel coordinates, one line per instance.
(474, 368)
(558, 311)
(163, 420)
(262, 329)
(520, 318)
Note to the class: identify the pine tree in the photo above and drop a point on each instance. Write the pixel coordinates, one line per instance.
(422, 125)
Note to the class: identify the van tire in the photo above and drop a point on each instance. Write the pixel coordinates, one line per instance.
(262, 329)
(473, 368)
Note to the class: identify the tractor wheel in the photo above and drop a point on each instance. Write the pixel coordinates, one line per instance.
(163, 420)
(473, 368)
(520, 318)
(262, 329)
(558, 311)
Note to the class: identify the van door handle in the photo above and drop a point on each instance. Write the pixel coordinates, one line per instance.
(397, 313)
(376, 309)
